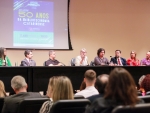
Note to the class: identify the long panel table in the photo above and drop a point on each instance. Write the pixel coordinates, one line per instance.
(37, 78)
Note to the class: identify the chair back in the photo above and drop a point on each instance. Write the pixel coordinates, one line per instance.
(145, 98)
(72, 62)
(1, 103)
(139, 108)
(92, 63)
(70, 106)
(31, 105)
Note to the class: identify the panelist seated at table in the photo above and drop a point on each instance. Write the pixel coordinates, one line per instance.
(28, 59)
(118, 60)
(52, 61)
(4, 60)
(100, 59)
(133, 61)
(82, 59)
(146, 61)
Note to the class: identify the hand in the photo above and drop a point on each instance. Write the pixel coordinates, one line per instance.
(50, 65)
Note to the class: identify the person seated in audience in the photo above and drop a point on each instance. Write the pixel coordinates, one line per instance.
(100, 59)
(145, 84)
(59, 88)
(100, 84)
(28, 59)
(19, 85)
(89, 79)
(133, 61)
(4, 60)
(120, 90)
(82, 59)
(52, 60)
(140, 90)
(2, 89)
(118, 60)
(146, 61)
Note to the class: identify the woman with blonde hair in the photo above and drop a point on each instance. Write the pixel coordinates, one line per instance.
(133, 61)
(61, 90)
(2, 89)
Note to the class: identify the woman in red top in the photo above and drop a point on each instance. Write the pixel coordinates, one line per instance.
(133, 61)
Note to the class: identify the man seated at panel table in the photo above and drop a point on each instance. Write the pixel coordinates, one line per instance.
(52, 61)
(118, 60)
(82, 59)
(19, 85)
(146, 61)
(28, 59)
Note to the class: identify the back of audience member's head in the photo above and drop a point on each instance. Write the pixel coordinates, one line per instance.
(121, 87)
(51, 85)
(18, 82)
(90, 76)
(101, 82)
(2, 89)
(63, 89)
(141, 79)
(146, 83)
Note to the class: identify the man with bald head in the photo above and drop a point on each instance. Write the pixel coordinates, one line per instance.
(52, 59)
(100, 85)
(146, 61)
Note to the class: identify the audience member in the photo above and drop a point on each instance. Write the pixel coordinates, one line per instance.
(4, 60)
(120, 90)
(146, 83)
(82, 59)
(100, 59)
(133, 61)
(19, 85)
(28, 59)
(118, 60)
(100, 85)
(146, 61)
(60, 89)
(2, 89)
(82, 86)
(52, 61)
(89, 79)
(141, 80)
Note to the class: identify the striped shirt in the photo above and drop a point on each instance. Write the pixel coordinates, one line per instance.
(46, 106)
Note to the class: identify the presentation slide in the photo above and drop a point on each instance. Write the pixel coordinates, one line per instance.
(34, 24)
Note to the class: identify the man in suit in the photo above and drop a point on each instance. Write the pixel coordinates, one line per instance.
(118, 60)
(19, 85)
(28, 59)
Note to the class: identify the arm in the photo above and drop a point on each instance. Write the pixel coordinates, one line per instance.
(8, 61)
(124, 62)
(77, 61)
(97, 61)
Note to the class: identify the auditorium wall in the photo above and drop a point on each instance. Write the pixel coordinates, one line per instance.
(111, 24)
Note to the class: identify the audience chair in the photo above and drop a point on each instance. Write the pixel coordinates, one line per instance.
(145, 98)
(31, 105)
(72, 62)
(139, 108)
(70, 106)
(78, 97)
(1, 103)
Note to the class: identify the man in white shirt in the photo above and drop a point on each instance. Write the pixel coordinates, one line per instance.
(89, 79)
(82, 59)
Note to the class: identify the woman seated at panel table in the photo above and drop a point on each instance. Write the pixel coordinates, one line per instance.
(133, 61)
(4, 60)
(100, 59)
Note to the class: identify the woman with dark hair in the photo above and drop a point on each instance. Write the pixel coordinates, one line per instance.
(100, 59)
(120, 90)
(4, 60)
(133, 61)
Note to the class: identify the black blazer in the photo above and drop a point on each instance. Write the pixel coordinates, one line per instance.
(11, 103)
(114, 60)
